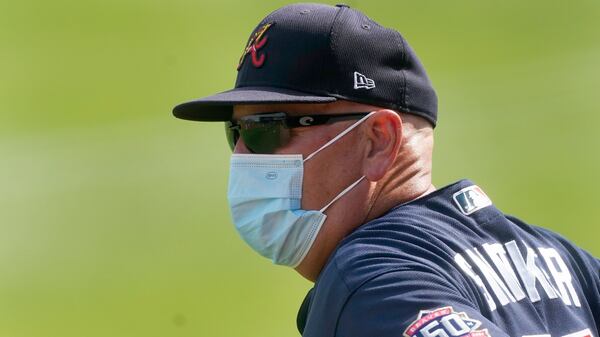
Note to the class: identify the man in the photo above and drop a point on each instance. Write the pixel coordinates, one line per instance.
(331, 124)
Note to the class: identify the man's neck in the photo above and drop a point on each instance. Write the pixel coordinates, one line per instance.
(384, 200)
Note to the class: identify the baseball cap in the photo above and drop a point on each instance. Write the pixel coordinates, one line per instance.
(315, 53)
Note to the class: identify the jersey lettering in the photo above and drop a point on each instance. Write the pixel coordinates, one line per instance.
(529, 272)
(498, 287)
(498, 255)
(561, 275)
(507, 288)
(467, 269)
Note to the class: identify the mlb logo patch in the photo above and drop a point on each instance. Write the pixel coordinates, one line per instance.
(471, 199)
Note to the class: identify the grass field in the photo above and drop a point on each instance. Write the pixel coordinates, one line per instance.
(113, 217)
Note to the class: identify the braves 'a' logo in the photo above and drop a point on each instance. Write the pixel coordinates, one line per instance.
(258, 40)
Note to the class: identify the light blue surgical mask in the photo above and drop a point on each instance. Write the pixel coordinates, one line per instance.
(265, 193)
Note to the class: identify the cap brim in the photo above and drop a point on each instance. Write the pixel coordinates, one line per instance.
(219, 107)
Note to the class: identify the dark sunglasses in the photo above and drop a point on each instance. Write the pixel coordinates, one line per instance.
(264, 133)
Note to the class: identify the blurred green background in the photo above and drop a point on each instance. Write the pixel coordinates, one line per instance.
(113, 214)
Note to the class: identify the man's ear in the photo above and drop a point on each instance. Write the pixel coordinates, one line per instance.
(383, 131)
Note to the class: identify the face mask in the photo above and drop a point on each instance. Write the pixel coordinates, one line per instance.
(265, 192)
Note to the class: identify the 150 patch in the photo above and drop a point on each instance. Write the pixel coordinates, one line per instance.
(444, 322)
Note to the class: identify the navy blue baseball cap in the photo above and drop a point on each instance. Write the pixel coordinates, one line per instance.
(314, 53)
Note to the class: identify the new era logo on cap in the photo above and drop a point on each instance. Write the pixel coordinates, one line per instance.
(363, 82)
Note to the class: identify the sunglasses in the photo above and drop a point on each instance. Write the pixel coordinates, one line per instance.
(264, 133)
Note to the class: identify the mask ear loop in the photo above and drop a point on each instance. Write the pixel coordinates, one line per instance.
(342, 134)
(342, 194)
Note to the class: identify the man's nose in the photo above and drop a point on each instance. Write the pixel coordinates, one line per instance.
(240, 147)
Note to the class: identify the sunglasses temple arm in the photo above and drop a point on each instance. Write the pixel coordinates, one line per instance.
(338, 136)
(345, 117)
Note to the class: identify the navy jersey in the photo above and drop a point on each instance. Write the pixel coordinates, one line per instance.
(450, 264)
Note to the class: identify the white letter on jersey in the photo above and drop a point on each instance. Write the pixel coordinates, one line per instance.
(561, 275)
(529, 272)
(498, 255)
(466, 267)
(498, 286)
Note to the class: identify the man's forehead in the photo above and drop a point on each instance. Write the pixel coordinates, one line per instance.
(340, 106)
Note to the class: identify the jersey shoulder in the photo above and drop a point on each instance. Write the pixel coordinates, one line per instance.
(452, 247)
(407, 238)
(422, 235)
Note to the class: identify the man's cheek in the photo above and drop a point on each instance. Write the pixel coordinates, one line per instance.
(315, 189)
